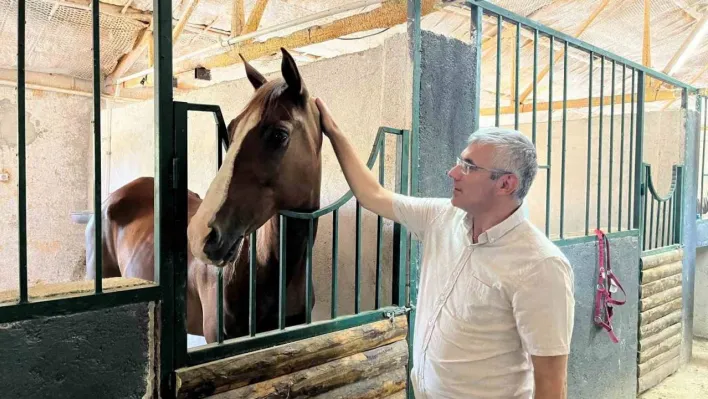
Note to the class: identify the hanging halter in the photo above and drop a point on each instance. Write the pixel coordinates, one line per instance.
(607, 284)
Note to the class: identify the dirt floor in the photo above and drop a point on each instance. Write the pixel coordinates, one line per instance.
(691, 381)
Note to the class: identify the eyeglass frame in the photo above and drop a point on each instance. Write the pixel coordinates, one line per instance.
(466, 167)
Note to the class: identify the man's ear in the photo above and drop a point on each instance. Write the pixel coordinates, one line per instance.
(508, 184)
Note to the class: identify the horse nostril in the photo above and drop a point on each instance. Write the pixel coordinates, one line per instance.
(212, 241)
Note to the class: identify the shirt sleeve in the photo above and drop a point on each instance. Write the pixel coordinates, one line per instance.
(416, 214)
(544, 308)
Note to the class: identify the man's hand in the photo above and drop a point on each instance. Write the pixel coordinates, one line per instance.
(549, 374)
(329, 126)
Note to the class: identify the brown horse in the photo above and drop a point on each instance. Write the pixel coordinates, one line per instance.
(273, 163)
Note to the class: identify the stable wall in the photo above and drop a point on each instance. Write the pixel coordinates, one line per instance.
(106, 353)
(364, 90)
(58, 134)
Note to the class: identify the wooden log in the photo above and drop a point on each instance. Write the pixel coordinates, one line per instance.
(657, 350)
(660, 324)
(652, 261)
(382, 386)
(659, 311)
(659, 299)
(238, 371)
(327, 376)
(656, 362)
(647, 290)
(646, 343)
(660, 272)
(656, 376)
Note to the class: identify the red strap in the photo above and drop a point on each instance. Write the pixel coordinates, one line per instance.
(603, 296)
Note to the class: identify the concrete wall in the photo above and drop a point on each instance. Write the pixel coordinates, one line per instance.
(700, 316)
(104, 353)
(594, 357)
(58, 130)
(364, 90)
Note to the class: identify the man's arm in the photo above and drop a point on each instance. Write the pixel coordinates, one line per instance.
(366, 188)
(550, 376)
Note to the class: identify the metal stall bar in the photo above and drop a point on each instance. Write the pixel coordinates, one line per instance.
(621, 173)
(22, 151)
(98, 255)
(550, 135)
(638, 221)
(589, 145)
(703, 146)
(564, 139)
(599, 151)
(612, 148)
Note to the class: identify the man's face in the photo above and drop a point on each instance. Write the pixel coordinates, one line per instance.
(475, 191)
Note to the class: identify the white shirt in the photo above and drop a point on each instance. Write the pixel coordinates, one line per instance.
(484, 308)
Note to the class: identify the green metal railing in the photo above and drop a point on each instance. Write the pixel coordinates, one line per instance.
(614, 187)
(661, 219)
(254, 340)
(25, 307)
(702, 207)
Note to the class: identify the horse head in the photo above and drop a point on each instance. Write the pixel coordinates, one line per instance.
(272, 163)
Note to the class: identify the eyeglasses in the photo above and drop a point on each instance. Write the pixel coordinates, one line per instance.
(466, 167)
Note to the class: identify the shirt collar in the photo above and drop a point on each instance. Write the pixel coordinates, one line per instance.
(497, 231)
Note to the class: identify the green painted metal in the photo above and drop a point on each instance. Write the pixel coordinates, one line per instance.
(550, 136)
(308, 271)
(637, 220)
(657, 210)
(22, 152)
(621, 173)
(497, 104)
(97, 157)
(535, 85)
(589, 147)
(335, 253)
(220, 304)
(576, 43)
(591, 238)
(564, 139)
(661, 250)
(612, 149)
(379, 229)
(252, 268)
(632, 166)
(282, 258)
(357, 261)
(703, 109)
(599, 150)
(517, 57)
(54, 307)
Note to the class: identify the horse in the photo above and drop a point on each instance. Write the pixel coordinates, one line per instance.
(272, 163)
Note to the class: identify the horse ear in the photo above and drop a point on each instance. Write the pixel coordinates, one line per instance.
(255, 77)
(291, 74)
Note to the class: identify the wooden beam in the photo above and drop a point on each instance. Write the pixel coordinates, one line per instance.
(390, 13)
(578, 32)
(179, 27)
(580, 103)
(237, 17)
(254, 19)
(284, 360)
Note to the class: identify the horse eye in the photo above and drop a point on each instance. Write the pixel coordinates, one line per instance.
(278, 136)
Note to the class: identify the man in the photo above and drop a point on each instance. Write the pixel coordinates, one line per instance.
(495, 307)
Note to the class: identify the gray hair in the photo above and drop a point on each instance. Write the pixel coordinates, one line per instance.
(513, 152)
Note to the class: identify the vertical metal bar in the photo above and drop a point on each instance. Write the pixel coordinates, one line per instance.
(612, 149)
(638, 187)
(164, 201)
(22, 157)
(599, 143)
(645, 171)
(335, 253)
(220, 305)
(670, 237)
(589, 157)
(399, 271)
(252, 263)
(516, 76)
(550, 137)
(477, 28)
(651, 217)
(565, 123)
(621, 173)
(497, 106)
(678, 194)
(357, 261)
(282, 288)
(663, 223)
(308, 271)
(632, 167)
(379, 226)
(533, 78)
(179, 251)
(703, 156)
(95, 29)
